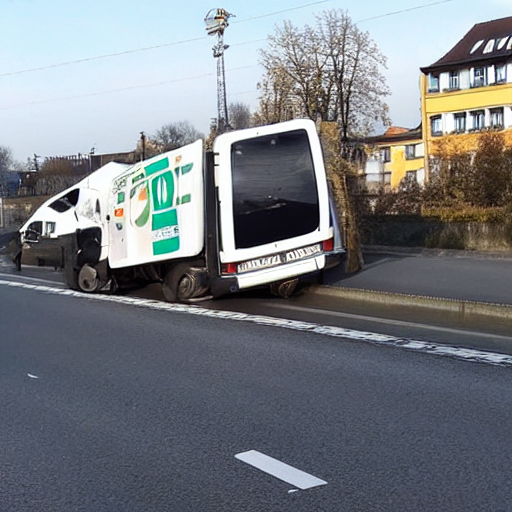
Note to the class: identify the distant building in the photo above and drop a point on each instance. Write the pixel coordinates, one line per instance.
(469, 89)
(392, 156)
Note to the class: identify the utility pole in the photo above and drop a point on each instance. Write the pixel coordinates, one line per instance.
(143, 144)
(2, 220)
(216, 22)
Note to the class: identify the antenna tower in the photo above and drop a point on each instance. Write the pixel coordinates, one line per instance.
(216, 21)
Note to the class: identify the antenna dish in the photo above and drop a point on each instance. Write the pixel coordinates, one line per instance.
(216, 21)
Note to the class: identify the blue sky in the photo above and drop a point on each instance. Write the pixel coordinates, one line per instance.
(107, 102)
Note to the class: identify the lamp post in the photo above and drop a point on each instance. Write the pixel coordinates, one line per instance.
(216, 21)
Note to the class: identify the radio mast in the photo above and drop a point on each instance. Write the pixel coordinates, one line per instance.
(216, 21)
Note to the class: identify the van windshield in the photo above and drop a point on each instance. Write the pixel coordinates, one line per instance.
(274, 189)
(64, 203)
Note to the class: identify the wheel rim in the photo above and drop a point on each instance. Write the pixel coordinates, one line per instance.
(186, 287)
(88, 279)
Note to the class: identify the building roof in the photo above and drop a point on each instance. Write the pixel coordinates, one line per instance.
(395, 134)
(484, 43)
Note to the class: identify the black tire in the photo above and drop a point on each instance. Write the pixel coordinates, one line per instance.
(179, 284)
(88, 280)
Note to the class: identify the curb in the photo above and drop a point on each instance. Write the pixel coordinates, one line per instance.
(463, 308)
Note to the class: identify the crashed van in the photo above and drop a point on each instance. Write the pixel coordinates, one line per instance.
(256, 211)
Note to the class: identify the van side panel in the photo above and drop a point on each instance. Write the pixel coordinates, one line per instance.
(157, 209)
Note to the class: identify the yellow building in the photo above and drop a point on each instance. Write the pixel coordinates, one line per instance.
(469, 89)
(393, 156)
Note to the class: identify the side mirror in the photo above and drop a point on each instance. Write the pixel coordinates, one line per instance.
(31, 236)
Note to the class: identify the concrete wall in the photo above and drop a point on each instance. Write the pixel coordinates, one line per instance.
(419, 232)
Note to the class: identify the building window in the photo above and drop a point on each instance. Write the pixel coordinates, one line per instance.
(454, 80)
(385, 154)
(387, 178)
(496, 117)
(433, 82)
(479, 77)
(489, 47)
(410, 151)
(476, 46)
(411, 176)
(477, 119)
(501, 43)
(460, 122)
(436, 127)
(500, 74)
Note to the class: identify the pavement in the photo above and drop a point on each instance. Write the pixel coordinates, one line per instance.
(466, 282)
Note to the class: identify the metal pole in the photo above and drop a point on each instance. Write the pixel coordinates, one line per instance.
(2, 220)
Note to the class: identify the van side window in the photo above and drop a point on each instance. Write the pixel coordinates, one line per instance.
(50, 228)
(66, 202)
(36, 226)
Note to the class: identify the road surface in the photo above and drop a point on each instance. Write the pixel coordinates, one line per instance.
(122, 404)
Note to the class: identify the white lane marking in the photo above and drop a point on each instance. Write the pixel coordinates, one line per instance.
(280, 470)
(388, 321)
(32, 376)
(466, 354)
(32, 279)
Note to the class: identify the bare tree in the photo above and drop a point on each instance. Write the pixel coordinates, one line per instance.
(276, 102)
(331, 71)
(354, 69)
(239, 115)
(175, 135)
(9, 167)
(5, 164)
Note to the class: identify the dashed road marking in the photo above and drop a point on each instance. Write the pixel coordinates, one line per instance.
(280, 470)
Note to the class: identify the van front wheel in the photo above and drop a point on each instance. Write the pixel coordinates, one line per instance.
(88, 280)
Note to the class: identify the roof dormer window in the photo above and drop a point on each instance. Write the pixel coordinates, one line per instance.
(501, 43)
(489, 47)
(476, 46)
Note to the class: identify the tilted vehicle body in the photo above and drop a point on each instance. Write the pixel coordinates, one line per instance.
(255, 211)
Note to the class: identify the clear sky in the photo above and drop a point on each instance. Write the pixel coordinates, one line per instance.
(107, 102)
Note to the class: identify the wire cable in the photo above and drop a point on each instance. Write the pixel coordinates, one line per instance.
(121, 89)
(185, 41)
(404, 10)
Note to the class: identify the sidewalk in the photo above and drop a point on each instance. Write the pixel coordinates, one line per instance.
(442, 274)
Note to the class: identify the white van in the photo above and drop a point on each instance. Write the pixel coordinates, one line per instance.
(255, 211)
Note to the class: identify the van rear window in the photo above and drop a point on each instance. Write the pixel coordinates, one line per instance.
(275, 193)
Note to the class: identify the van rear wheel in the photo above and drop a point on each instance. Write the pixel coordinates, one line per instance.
(179, 284)
(185, 283)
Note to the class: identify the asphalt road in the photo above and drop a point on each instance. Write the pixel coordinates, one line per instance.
(118, 407)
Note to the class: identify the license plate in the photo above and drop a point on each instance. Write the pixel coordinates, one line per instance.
(303, 252)
(268, 261)
(278, 259)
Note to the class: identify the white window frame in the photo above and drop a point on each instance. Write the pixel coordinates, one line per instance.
(496, 117)
(454, 80)
(479, 76)
(500, 73)
(477, 115)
